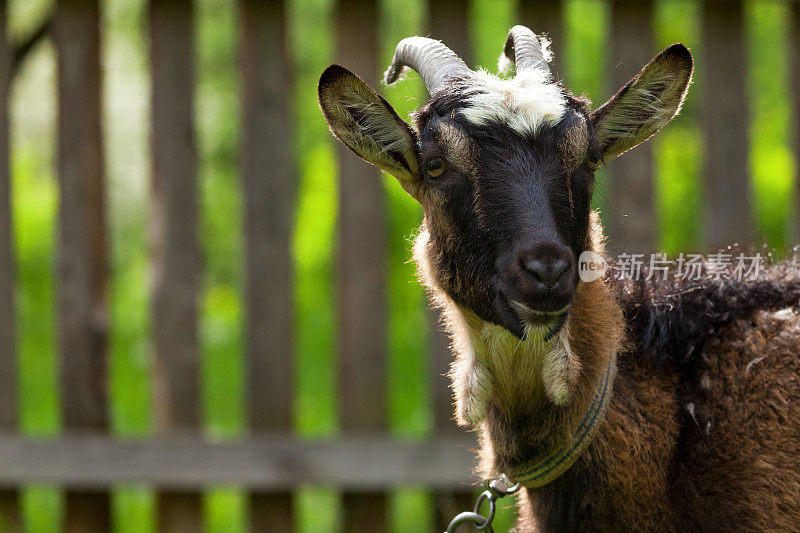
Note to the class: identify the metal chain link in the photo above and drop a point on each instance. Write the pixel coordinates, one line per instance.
(496, 488)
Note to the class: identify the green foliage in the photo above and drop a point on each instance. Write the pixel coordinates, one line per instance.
(586, 34)
(34, 221)
(678, 148)
(133, 510)
(315, 227)
(586, 29)
(409, 323)
(34, 200)
(315, 408)
(491, 20)
(218, 114)
(126, 98)
(771, 160)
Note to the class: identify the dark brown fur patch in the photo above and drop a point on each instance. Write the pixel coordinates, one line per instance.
(654, 468)
(702, 432)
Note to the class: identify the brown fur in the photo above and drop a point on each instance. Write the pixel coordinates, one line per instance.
(652, 467)
(729, 460)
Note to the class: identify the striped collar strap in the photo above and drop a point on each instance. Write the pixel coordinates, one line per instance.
(547, 468)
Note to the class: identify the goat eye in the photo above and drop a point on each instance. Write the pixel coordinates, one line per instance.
(593, 163)
(436, 167)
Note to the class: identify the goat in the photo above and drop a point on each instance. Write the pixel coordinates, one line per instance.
(618, 405)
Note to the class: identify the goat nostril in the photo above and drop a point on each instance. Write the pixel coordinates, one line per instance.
(548, 272)
(532, 265)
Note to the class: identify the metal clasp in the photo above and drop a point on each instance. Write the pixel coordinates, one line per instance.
(496, 488)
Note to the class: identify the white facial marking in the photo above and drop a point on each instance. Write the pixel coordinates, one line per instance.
(784, 314)
(473, 390)
(524, 103)
(501, 360)
(560, 368)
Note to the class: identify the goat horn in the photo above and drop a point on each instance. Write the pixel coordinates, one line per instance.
(434, 61)
(525, 49)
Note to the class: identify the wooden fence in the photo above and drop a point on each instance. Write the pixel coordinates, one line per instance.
(365, 462)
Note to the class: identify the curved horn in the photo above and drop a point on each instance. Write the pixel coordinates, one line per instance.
(434, 61)
(525, 49)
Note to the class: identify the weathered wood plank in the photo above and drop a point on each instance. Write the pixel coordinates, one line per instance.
(544, 16)
(362, 292)
(269, 462)
(361, 271)
(9, 501)
(448, 20)
(631, 221)
(268, 182)
(10, 518)
(82, 256)
(268, 186)
(725, 125)
(8, 367)
(82, 251)
(174, 243)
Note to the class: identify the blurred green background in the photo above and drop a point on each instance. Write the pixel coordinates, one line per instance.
(586, 69)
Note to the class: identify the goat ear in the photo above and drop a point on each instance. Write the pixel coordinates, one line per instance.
(645, 104)
(367, 124)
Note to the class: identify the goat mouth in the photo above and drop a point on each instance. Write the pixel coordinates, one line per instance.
(521, 320)
(509, 318)
(551, 321)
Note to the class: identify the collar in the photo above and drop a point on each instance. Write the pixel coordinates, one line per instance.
(547, 468)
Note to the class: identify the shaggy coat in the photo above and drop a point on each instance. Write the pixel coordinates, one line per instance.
(702, 430)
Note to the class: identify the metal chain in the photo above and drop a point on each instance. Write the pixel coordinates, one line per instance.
(495, 489)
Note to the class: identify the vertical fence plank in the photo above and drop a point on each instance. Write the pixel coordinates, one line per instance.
(361, 261)
(268, 187)
(175, 254)
(631, 219)
(544, 16)
(794, 72)
(448, 22)
(725, 125)
(82, 251)
(448, 503)
(9, 501)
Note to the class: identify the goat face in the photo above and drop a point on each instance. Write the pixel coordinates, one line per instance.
(506, 209)
(503, 168)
